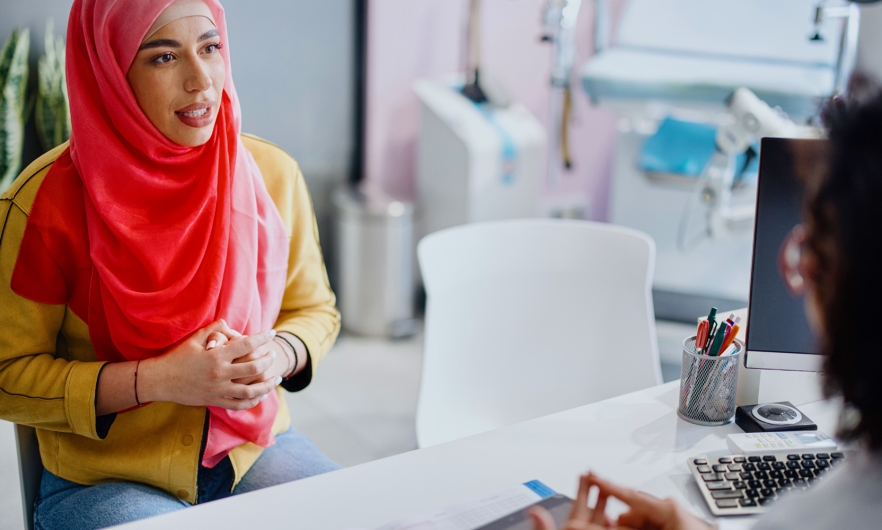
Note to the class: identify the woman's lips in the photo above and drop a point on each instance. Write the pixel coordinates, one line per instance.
(197, 115)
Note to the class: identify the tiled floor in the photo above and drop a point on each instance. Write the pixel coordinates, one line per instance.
(360, 407)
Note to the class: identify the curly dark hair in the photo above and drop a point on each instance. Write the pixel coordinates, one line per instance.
(843, 250)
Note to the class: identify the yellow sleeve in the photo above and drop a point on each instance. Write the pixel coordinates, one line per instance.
(309, 306)
(36, 387)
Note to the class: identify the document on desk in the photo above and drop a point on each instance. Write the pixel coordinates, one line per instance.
(474, 514)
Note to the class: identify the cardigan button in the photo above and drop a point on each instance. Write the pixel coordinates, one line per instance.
(187, 440)
(182, 494)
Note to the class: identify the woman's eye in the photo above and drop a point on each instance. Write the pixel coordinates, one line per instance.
(211, 48)
(164, 58)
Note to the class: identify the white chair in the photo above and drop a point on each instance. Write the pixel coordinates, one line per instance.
(529, 317)
(30, 470)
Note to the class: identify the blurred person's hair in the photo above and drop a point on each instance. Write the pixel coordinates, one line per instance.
(844, 249)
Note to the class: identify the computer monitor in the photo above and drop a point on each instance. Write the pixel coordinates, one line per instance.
(778, 332)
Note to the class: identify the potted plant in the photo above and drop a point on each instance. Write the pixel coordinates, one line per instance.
(53, 111)
(13, 103)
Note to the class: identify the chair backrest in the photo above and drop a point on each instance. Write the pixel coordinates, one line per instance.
(30, 470)
(529, 317)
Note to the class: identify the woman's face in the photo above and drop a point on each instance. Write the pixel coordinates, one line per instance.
(178, 78)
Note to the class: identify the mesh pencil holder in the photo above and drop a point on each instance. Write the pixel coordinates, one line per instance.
(708, 385)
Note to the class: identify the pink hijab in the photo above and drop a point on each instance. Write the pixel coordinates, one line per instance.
(146, 240)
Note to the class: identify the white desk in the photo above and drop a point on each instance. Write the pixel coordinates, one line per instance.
(636, 440)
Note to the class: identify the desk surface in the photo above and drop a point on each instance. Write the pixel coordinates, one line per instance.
(636, 440)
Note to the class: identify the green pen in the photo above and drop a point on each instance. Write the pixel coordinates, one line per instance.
(714, 350)
(712, 321)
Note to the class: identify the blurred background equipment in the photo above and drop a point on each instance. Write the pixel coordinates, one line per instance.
(560, 19)
(374, 248)
(672, 77)
(480, 156)
(476, 161)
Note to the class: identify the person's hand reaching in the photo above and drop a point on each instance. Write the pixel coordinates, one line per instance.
(644, 511)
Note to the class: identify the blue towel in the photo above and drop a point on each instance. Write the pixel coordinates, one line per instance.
(684, 148)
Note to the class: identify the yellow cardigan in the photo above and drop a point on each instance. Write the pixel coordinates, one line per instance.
(49, 372)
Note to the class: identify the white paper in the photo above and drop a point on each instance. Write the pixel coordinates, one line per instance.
(472, 514)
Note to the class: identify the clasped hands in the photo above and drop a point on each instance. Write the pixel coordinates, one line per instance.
(645, 512)
(216, 366)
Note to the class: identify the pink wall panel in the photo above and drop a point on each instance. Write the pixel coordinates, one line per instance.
(410, 39)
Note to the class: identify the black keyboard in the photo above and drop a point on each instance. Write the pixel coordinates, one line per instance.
(744, 485)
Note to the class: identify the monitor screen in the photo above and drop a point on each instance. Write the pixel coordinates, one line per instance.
(778, 333)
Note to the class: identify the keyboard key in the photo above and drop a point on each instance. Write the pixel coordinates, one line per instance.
(735, 467)
(711, 477)
(754, 484)
(823, 456)
(766, 501)
(739, 459)
(730, 503)
(753, 494)
(720, 468)
(748, 503)
(777, 475)
(747, 475)
(732, 476)
(792, 457)
(717, 486)
(703, 469)
(793, 464)
(749, 467)
(820, 472)
(808, 464)
(739, 485)
(769, 458)
(791, 473)
(823, 464)
(784, 483)
(800, 483)
(766, 492)
(806, 473)
(808, 456)
(761, 475)
(779, 465)
(769, 483)
(734, 494)
(837, 456)
(700, 462)
(764, 466)
(754, 459)
(725, 460)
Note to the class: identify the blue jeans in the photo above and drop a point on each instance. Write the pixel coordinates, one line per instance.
(66, 505)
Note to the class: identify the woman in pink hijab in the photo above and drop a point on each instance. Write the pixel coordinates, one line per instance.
(162, 280)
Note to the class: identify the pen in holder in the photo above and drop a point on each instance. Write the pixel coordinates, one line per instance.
(708, 385)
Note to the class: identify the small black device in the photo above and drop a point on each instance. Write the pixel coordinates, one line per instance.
(773, 417)
(557, 505)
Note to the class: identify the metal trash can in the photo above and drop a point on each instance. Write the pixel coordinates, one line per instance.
(375, 262)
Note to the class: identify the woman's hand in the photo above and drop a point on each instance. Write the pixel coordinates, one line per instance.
(193, 375)
(645, 512)
(283, 361)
